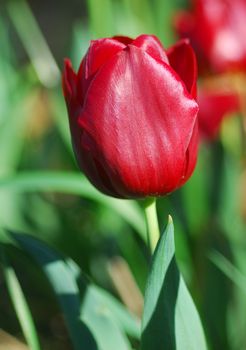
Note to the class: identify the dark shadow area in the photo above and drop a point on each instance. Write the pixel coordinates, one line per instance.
(215, 288)
(217, 169)
(57, 20)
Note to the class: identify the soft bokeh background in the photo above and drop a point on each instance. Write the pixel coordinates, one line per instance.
(43, 193)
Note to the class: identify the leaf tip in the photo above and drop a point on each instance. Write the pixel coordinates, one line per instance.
(170, 220)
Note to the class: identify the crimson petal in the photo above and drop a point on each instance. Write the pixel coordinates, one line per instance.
(99, 52)
(183, 60)
(152, 45)
(69, 81)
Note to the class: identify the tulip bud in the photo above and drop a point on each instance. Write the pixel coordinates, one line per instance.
(133, 115)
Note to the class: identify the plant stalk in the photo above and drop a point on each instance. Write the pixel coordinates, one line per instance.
(153, 231)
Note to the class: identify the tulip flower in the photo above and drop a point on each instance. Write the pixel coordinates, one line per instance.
(214, 106)
(133, 115)
(217, 31)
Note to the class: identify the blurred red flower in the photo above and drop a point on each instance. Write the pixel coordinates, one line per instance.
(213, 107)
(133, 115)
(217, 31)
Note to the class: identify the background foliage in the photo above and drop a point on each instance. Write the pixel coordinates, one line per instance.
(43, 193)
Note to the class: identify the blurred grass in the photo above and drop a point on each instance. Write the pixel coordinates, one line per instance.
(20, 304)
(34, 42)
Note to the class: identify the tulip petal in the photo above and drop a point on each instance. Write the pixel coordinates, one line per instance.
(123, 39)
(137, 126)
(152, 45)
(183, 60)
(100, 51)
(69, 85)
(69, 81)
(191, 154)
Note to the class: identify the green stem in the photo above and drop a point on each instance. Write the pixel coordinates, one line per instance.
(151, 222)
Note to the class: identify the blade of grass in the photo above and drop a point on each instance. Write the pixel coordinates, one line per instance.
(228, 269)
(13, 129)
(59, 115)
(20, 305)
(74, 183)
(34, 42)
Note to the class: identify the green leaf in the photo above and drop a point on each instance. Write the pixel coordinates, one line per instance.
(100, 319)
(89, 318)
(75, 183)
(20, 304)
(170, 319)
(64, 286)
(129, 323)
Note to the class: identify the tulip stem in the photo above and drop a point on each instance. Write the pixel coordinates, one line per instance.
(153, 231)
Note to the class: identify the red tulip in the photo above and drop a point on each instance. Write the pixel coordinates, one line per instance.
(214, 106)
(133, 116)
(217, 31)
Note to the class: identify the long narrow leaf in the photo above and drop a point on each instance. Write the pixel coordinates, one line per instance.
(129, 323)
(170, 319)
